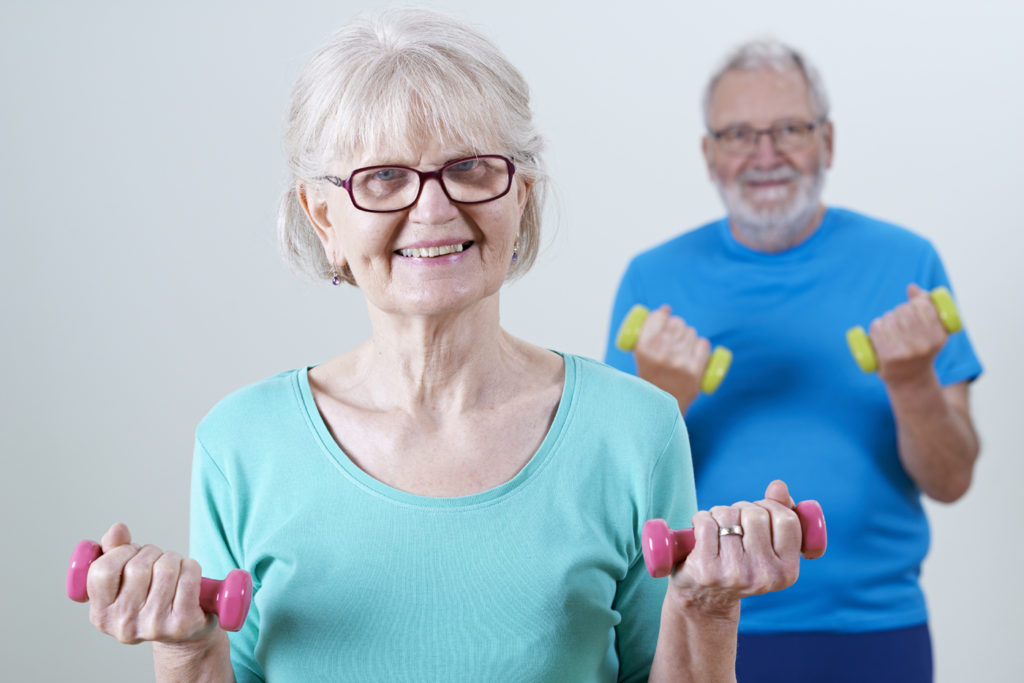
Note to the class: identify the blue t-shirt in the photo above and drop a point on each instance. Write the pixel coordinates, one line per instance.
(539, 579)
(796, 406)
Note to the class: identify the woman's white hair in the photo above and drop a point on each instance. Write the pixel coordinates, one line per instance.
(385, 83)
(768, 53)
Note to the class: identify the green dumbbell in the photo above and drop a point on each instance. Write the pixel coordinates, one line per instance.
(718, 364)
(860, 344)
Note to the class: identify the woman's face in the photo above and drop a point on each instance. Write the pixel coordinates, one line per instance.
(399, 259)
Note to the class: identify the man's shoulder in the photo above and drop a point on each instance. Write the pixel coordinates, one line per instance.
(873, 227)
(691, 243)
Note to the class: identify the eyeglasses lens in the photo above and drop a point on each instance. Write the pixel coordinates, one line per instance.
(470, 180)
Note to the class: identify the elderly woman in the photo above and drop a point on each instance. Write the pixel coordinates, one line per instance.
(444, 502)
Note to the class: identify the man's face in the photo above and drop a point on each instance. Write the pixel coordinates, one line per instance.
(767, 186)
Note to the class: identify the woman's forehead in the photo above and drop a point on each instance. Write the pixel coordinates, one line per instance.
(415, 149)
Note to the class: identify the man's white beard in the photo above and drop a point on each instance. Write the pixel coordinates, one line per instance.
(779, 228)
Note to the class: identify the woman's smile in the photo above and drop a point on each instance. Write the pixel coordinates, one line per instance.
(434, 251)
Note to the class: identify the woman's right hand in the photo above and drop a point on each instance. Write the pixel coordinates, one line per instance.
(139, 593)
(672, 356)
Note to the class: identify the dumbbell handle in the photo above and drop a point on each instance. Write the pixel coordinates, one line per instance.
(228, 598)
(665, 548)
(860, 344)
(629, 332)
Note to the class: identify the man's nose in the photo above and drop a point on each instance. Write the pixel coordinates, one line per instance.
(765, 151)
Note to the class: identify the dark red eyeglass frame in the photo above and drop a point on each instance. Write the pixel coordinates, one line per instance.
(424, 176)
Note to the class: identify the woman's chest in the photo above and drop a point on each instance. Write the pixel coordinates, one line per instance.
(502, 593)
(448, 456)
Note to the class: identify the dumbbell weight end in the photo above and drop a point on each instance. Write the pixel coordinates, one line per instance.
(228, 599)
(718, 364)
(664, 548)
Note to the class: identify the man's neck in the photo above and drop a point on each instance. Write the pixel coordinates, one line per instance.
(773, 241)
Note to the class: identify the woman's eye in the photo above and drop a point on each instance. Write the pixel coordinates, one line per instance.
(464, 166)
(389, 174)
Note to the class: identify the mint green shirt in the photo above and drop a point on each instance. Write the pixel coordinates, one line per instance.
(538, 579)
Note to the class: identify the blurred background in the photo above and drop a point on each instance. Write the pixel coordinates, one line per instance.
(140, 283)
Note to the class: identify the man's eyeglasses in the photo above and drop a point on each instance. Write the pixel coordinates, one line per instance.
(787, 136)
(472, 180)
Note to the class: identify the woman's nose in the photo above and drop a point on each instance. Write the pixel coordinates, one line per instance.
(433, 205)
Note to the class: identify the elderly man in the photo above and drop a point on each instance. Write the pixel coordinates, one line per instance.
(779, 281)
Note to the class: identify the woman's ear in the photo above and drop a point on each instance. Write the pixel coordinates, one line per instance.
(315, 205)
(523, 190)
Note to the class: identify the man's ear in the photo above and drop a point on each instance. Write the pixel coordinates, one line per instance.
(828, 135)
(708, 151)
(315, 205)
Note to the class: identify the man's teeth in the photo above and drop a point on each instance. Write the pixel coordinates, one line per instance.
(430, 252)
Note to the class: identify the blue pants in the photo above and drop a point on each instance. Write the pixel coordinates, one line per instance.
(901, 655)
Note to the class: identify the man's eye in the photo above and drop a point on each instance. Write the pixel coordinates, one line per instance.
(735, 134)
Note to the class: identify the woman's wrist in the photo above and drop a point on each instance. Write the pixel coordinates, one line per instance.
(207, 660)
(703, 606)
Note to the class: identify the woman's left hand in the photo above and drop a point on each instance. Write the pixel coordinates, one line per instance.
(728, 564)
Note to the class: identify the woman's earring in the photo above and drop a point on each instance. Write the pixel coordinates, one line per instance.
(515, 251)
(335, 280)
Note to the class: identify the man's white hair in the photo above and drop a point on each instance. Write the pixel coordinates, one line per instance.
(768, 53)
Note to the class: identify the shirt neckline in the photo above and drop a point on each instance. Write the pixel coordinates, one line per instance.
(529, 471)
(795, 253)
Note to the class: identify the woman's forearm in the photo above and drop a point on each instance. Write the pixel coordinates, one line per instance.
(696, 644)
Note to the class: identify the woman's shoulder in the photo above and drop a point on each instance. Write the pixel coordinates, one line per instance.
(614, 397)
(254, 404)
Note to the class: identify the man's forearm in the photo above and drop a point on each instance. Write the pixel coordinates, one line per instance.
(937, 442)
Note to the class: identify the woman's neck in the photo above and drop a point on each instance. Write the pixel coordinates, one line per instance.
(442, 363)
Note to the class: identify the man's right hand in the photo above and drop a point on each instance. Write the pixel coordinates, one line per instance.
(672, 356)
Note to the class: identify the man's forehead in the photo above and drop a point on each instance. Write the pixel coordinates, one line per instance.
(760, 97)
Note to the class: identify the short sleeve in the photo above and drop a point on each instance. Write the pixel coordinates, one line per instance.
(213, 532)
(639, 596)
(957, 361)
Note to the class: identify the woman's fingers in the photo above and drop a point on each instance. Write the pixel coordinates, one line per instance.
(142, 593)
(186, 597)
(172, 612)
(117, 534)
(744, 549)
(103, 582)
(730, 530)
(159, 605)
(119, 589)
(779, 491)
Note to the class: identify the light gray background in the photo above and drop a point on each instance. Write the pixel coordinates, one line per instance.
(140, 282)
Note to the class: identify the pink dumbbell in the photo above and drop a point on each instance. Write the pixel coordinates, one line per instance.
(664, 548)
(228, 599)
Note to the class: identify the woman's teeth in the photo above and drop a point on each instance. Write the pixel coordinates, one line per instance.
(430, 252)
